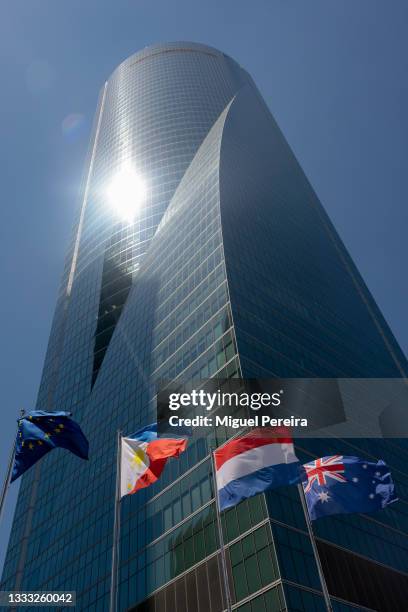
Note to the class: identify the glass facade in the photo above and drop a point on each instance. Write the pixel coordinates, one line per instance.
(230, 268)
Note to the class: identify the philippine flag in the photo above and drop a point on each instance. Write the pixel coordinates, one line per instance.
(143, 457)
(254, 463)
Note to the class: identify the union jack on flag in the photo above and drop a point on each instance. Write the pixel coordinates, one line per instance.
(338, 484)
(326, 467)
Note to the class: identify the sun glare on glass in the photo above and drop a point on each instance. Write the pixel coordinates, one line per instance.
(126, 193)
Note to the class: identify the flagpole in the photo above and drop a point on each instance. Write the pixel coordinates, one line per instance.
(325, 590)
(221, 537)
(7, 478)
(116, 531)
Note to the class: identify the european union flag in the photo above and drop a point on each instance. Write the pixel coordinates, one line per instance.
(39, 432)
(343, 485)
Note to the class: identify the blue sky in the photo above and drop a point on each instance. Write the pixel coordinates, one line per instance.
(334, 74)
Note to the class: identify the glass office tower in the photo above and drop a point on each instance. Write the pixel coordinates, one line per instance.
(228, 267)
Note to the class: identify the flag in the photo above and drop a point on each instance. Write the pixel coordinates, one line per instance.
(40, 432)
(342, 485)
(253, 463)
(143, 457)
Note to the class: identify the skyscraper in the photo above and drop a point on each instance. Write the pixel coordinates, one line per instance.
(200, 250)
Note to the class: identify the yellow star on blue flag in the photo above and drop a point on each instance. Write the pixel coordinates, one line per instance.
(39, 432)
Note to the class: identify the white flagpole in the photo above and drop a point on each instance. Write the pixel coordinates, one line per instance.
(325, 590)
(221, 537)
(7, 478)
(116, 530)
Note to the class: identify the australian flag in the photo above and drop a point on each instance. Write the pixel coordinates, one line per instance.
(39, 432)
(343, 485)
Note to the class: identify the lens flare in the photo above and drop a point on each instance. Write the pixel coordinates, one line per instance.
(73, 126)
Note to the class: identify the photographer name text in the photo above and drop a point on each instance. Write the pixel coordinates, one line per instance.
(237, 423)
